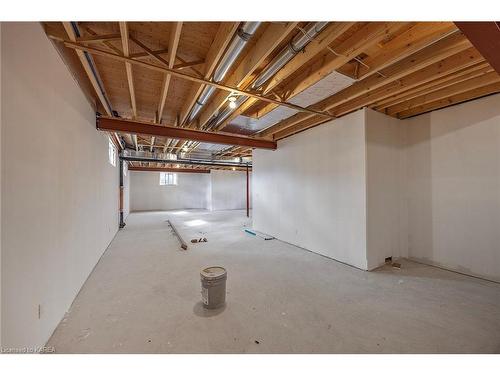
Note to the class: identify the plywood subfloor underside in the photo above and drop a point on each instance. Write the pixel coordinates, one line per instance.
(144, 297)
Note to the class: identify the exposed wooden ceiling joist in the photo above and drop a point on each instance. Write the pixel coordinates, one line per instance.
(222, 38)
(175, 73)
(434, 84)
(175, 35)
(128, 66)
(472, 83)
(402, 69)
(130, 77)
(443, 48)
(421, 78)
(416, 37)
(453, 99)
(326, 37)
(99, 38)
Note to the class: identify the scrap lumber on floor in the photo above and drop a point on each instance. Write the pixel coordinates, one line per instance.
(181, 240)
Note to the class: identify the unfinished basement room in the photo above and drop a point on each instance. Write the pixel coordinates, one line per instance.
(250, 187)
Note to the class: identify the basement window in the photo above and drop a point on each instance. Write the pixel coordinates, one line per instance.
(168, 178)
(111, 153)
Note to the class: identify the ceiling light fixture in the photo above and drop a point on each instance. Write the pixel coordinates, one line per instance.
(232, 102)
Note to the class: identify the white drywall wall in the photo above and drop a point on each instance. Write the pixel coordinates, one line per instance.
(454, 187)
(311, 191)
(146, 194)
(229, 190)
(386, 226)
(59, 193)
(432, 186)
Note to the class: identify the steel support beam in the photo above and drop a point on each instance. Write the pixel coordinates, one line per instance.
(485, 36)
(167, 169)
(136, 127)
(122, 187)
(248, 194)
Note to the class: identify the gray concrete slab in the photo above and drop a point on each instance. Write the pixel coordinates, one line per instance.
(144, 297)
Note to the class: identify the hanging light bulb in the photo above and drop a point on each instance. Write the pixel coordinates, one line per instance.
(232, 102)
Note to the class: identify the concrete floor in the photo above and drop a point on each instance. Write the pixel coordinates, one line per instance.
(144, 297)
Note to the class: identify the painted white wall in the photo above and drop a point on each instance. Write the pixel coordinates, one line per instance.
(311, 191)
(387, 216)
(59, 193)
(454, 187)
(432, 187)
(146, 194)
(228, 190)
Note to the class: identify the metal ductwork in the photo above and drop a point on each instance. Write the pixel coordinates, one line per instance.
(90, 61)
(226, 112)
(297, 44)
(214, 163)
(235, 47)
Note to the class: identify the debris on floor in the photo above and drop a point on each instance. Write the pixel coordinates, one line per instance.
(257, 342)
(195, 240)
(389, 262)
(259, 234)
(183, 243)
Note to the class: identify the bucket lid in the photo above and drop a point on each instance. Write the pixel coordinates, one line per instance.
(213, 273)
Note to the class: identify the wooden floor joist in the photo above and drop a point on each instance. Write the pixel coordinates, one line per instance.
(399, 68)
(394, 74)
(179, 74)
